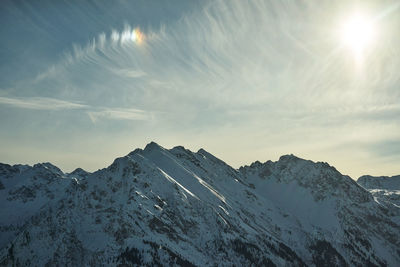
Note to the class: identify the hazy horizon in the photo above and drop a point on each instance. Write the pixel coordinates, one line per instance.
(85, 82)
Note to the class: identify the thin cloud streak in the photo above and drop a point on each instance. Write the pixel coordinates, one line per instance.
(40, 103)
(95, 113)
(118, 114)
(130, 73)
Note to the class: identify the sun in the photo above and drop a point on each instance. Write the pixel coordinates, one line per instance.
(357, 33)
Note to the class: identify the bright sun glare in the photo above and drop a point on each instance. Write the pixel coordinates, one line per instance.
(357, 33)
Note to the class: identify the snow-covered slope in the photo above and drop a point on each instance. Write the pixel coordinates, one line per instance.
(385, 189)
(176, 207)
(24, 190)
(380, 182)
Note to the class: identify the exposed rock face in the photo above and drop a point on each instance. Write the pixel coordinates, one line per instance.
(176, 207)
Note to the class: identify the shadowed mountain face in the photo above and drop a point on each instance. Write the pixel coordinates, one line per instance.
(381, 182)
(386, 191)
(176, 207)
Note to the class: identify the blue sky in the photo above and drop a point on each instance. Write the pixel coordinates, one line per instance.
(83, 82)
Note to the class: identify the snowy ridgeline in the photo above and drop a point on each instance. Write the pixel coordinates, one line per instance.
(176, 207)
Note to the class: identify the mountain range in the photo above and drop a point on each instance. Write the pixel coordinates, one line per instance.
(175, 207)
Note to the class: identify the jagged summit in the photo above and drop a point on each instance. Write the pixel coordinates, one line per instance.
(149, 147)
(152, 146)
(47, 166)
(210, 156)
(282, 159)
(181, 148)
(158, 206)
(289, 157)
(79, 172)
(202, 151)
(319, 178)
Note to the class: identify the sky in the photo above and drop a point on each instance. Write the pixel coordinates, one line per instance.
(84, 82)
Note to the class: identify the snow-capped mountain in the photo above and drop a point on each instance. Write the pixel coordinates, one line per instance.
(176, 207)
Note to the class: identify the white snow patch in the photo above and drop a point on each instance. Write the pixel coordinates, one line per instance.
(172, 180)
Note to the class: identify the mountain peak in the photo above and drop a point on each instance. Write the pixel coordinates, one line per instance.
(152, 146)
(210, 156)
(190, 208)
(289, 157)
(48, 166)
(153, 198)
(205, 153)
(181, 148)
(79, 172)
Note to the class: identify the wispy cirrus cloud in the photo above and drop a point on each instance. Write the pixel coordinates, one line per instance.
(95, 113)
(271, 71)
(129, 73)
(228, 52)
(41, 103)
(118, 114)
